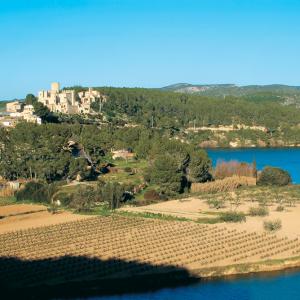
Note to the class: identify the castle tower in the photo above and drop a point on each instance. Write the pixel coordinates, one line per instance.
(55, 87)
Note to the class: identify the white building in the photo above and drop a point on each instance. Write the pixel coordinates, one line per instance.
(13, 107)
(18, 111)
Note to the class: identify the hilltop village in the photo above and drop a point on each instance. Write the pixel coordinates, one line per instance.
(57, 100)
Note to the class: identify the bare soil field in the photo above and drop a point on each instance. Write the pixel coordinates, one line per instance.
(197, 207)
(24, 216)
(289, 218)
(190, 208)
(19, 209)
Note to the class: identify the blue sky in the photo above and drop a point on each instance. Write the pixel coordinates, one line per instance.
(147, 43)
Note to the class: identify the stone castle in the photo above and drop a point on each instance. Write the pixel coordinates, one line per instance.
(59, 101)
(69, 102)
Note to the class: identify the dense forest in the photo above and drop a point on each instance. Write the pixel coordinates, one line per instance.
(169, 109)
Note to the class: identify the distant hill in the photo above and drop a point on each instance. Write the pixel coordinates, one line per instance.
(275, 92)
(196, 88)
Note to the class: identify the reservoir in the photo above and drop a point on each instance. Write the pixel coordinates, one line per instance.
(256, 287)
(285, 158)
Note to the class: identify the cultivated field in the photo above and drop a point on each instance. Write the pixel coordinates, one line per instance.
(24, 216)
(118, 246)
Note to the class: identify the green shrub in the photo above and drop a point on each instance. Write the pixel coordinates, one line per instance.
(208, 220)
(87, 197)
(274, 176)
(291, 202)
(165, 172)
(64, 198)
(84, 199)
(280, 208)
(260, 211)
(113, 193)
(36, 192)
(128, 170)
(272, 225)
(216, 203)
(232, 216)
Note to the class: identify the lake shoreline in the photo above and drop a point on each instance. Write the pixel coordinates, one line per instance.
(266, 267)
(154, 282)
(247, 147)
(285, 158)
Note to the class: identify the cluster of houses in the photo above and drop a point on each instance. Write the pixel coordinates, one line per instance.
(69, 102)
(57, 100)
(17, 111)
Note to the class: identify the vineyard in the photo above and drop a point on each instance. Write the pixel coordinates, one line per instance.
(117, 246)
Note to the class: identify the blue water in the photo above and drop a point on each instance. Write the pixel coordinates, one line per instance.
(285, 158)
(284, 286)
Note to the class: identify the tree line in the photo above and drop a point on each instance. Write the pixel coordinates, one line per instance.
(45, 152)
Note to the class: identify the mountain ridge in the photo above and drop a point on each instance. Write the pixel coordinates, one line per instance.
(285, 94)
(230, 85)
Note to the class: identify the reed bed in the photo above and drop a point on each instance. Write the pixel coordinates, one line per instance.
(223, 185)
(234, 168)
(6, 192)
